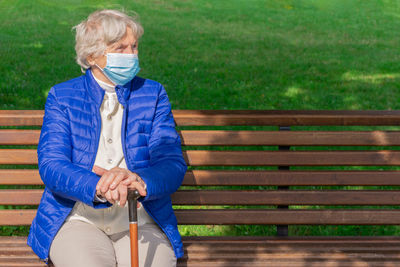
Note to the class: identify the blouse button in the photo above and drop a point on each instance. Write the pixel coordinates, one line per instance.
(110, 161)
(108, 229)
(109, 140)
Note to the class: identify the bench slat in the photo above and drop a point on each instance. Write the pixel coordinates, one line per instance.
(322, 257)
(374, 242)
(291, 217)
(294, 197)
(18, 156)
(20, 177)
(17, 217)
(292, 158)
(237, 197)
(304, 252)
(247, 138)
(287, 178)
(285, 117)
(252, 158)
(256, 251)
(20, 196)
(21, 117)
(22, 262)
(246, 178)
(290, 138)
(19, 137)
(229, 217)
(242, 117)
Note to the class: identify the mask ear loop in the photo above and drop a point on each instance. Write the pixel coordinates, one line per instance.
(102, 71)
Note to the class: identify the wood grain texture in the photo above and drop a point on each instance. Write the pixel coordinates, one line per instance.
(229, 217)
(19, 137)
(247, 138)
(20, 196)
(17, 217)
(290, 138)
(253, 251)
(287, 178)
(243, 197)
(20, 177)
(242, 117)
(246, 178)
(290, 217)
(285, 117)
(134, 246)
(292, 158)
(21, 117)
(286, 197)
(304, 252)
(18, 156)
(252, 158)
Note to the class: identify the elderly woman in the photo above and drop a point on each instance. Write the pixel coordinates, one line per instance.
(104, 133)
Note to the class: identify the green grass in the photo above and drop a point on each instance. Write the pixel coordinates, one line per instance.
(248, 54)
(282, 54)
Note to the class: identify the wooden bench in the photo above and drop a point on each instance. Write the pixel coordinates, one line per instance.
(268, 168)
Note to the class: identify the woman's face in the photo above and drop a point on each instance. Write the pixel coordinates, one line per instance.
(127, 45)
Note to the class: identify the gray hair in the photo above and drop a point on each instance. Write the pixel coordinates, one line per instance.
(101, 29)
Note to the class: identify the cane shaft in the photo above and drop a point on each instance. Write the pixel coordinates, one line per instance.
(133, 231)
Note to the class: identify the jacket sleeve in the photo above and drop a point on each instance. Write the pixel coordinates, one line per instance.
(56, 169)
(167, 166)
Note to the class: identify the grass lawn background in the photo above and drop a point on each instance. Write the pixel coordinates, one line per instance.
(249, 54)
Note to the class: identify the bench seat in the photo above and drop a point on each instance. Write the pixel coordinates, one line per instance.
(254, 251)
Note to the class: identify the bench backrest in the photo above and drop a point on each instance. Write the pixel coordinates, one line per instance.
(249, 167)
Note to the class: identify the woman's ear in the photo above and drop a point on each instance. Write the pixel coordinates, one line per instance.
(90, 60)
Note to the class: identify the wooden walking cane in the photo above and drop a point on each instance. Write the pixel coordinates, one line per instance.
(133, 195)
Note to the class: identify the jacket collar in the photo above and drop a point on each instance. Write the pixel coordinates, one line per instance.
(97, 93)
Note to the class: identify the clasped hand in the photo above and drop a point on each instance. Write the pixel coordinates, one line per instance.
(114, 184)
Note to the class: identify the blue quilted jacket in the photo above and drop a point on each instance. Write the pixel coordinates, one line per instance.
(68, 145)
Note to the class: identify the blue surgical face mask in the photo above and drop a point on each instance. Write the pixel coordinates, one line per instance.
(121, 68)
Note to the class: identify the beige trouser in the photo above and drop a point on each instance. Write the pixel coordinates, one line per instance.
(80, 244)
